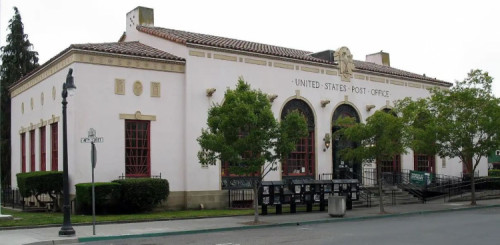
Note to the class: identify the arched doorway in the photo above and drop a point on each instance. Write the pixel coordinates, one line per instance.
(340, 143)
(300, 164)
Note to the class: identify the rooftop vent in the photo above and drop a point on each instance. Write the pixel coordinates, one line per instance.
(380, 58)
(324, 55)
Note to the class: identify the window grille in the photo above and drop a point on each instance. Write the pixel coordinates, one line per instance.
(42, 149)
(54, 147)
(137, 148)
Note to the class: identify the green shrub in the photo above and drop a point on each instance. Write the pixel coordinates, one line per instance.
(36, 183)
(494, 172)
(41, 182)
(142, 194)
(107, 197)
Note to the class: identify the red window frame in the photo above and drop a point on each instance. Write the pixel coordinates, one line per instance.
(302, 156)
(23, 152)
(425, 163)
(32, 151)
(137, 148)
(43, 150)
(391, 166)
(54, 158)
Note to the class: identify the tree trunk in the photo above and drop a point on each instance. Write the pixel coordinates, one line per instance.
(381, 198)
(256, 202)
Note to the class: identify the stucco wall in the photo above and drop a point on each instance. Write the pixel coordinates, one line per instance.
(96, 105)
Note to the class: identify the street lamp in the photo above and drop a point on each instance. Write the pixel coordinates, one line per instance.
(68, 89)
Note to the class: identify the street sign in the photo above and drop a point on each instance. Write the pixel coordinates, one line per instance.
(93, 160)
(92, 140)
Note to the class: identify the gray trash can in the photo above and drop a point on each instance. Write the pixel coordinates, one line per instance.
(336, 206)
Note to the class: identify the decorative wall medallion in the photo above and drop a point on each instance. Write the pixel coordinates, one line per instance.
(120, 86)
(137, 88)
(155, 89)
(344, 58)
(138, 115)
(41, 99)
(22, 108)
(54, 93)
(32, 103)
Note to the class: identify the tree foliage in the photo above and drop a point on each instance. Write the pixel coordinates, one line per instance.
(18, 59)
(461, 122)
(244, 132)
(377, 140)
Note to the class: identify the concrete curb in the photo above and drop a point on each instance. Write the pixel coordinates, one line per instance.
(284, 224)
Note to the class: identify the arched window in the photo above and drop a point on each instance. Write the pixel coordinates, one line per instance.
(300, 162)
(340, 143)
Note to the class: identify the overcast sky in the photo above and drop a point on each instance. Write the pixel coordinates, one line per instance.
(443, 39)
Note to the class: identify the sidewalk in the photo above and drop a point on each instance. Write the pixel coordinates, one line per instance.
(188, 226)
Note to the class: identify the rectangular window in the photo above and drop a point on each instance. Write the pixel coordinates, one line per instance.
(391, 166)
(54, 147)
(301, 160)
(42, 149)
(425, 163)
(32, 150)
(23, 153)
(137, 148)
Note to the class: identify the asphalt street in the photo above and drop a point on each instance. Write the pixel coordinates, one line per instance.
(476, 227)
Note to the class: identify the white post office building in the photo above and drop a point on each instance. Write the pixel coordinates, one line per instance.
(149, 93)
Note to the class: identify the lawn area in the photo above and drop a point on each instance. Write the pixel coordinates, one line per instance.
(50, 218)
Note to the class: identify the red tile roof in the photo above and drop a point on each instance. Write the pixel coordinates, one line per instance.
(127, 48)
(184, 37)
(136, 49)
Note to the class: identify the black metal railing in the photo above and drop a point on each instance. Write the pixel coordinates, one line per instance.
(12, 198)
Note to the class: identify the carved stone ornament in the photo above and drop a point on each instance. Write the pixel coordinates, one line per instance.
(155, 89)
(138, 115)
(120, 86)
(137, 88)
(344, 58)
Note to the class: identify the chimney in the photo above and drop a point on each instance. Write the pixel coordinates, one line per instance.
(140, 16)
(380, 58)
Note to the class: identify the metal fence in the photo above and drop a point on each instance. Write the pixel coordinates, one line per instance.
(12, 198)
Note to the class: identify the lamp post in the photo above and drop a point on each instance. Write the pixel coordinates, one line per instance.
(68, 89)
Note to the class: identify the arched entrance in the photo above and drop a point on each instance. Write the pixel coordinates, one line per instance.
(340, 143)
(301, 162)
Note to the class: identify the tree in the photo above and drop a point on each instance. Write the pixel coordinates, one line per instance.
(462, 122)
(244, 132)
(18, 59)
(379, 139)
